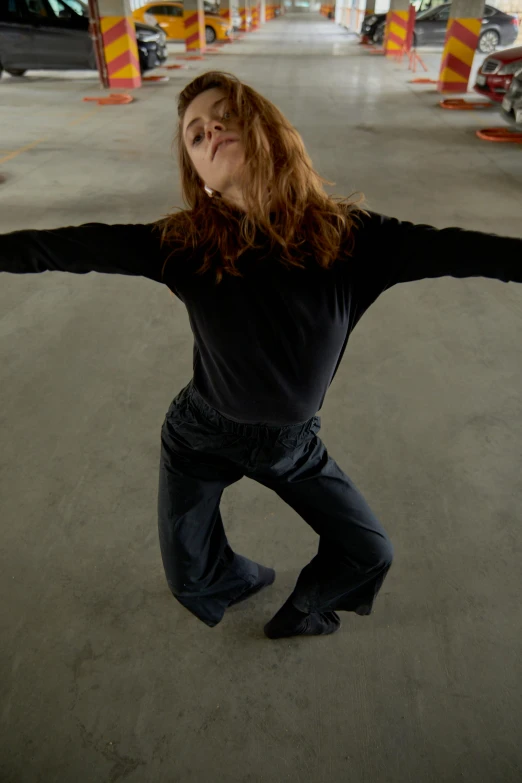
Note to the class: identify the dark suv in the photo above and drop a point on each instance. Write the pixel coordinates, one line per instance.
(54, 35)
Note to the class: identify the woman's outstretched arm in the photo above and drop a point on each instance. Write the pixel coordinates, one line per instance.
(388, 251)
(94, 247)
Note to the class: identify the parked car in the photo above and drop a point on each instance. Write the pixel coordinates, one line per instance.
(496, 73)
(374, 21)
(54, 35)
(170, 16)
(512, 104)
(236, 21)
(498, 28)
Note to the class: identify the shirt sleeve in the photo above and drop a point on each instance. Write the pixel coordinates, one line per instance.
(94, 247)
(388, 252)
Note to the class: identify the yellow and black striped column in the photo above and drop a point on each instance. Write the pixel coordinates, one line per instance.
(396, 26)
(194, 20)
(254, 10)
(120, 50)
(461, 43)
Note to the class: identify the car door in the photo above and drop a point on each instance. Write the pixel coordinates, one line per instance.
(438, 25)
(15, 36)
(160, 13)
(176, 22)
(60, 36)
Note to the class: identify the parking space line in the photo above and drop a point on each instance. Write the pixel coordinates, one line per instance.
(33, 144)
(23, 149)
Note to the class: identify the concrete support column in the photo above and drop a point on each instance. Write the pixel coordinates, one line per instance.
(339, 11)
(359, 15)
(396, 26)
(354, 19)
(244, 12)
(347, 14)
(194, 18)
(119, 49)
(254, 12)
(262, 12)
(461, 42)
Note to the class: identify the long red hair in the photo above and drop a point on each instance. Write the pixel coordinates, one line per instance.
(287, 209)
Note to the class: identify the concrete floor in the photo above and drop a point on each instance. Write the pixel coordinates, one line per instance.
(104, 677)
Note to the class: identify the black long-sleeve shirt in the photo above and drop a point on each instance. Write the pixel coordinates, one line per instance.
(267, 345)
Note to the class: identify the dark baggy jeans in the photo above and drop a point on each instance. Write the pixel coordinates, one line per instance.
(202, 453)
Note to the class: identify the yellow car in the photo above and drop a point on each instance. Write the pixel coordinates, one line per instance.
(170, 17)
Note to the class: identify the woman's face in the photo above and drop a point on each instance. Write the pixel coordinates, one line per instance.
(212, 137)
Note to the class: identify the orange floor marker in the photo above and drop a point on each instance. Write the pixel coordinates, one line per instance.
(502, 135)
(154, 78)
(112, 100)
(459, 104)
(190, 57)
(423, 81)
(174, 67)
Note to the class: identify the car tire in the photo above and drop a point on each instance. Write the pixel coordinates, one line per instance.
(16, 71)
(378, 36)
(210, 34)
(488, 41)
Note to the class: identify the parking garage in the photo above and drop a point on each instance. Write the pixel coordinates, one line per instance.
(104, 675)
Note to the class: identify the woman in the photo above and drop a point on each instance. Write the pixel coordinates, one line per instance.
(275, 275)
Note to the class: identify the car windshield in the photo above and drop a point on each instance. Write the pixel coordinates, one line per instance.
(427, 14)
(77, 6)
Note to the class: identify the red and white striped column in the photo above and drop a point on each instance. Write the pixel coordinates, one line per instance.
(194, 19)
(117, 50)
(396, 27)
(462, 36)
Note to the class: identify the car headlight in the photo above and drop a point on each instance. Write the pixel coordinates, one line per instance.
(144, 36)
(510, 68)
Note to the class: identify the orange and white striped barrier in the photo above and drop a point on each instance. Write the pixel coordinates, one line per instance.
(120, 51)
(194, 31)
(396, 32)
(255, 17)
(459, 50)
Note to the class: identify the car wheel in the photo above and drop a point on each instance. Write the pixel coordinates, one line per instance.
(488, 42)
(210, 34)
(378, 36)
(16, 71)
